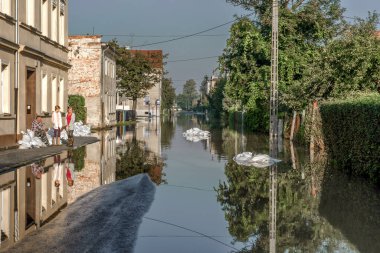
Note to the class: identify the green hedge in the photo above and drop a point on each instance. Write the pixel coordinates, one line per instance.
(351, 129)
(78, 104)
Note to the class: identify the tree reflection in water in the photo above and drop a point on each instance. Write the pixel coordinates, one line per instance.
(135, 159)
(304, 222)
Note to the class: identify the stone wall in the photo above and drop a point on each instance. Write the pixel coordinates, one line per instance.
(85, 75)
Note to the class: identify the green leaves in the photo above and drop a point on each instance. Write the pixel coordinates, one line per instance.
(136, 71)
(167, 94)
(352, 133)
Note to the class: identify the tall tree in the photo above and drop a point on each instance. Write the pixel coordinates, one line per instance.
(168, 94)
(136, 73)
(190, 92)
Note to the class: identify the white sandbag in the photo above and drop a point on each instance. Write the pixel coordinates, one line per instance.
(258, 161)
(196, 135)
(81, 130)
(64, 135)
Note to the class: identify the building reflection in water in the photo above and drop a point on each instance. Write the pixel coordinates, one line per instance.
(30, 196)
(96, 165)
(139, 150)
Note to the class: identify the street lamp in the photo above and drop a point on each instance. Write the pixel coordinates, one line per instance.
(157, 104)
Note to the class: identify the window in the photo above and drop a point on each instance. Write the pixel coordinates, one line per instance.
(5, 7)
(30, 11)
(62, 23)
(5, 213)
(45, 18)
(54, 21)
(61, 94)
(5, 89)
(53, 93)
(106, 68)
(44, 93)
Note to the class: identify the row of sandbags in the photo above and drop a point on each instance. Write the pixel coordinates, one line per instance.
(30, 141)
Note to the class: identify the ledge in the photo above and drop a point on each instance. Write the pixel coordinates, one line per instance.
(8, 18)
(7, 116)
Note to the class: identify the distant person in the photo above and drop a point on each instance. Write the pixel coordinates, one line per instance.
(39, 130)
(57, 125)
(70, 120)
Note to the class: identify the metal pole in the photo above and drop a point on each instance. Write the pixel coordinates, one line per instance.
(274, 74)
(273, 132)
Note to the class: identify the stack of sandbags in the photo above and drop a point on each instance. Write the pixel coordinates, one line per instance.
(30, 141)
(196, 134)
(258, 160)
(81, 130)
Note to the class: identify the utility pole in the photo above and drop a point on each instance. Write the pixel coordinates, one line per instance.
(274, 74)
(273, 131)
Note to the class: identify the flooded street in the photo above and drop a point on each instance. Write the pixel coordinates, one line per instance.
(203, 201)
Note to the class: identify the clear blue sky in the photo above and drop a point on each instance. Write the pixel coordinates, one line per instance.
(172, 17)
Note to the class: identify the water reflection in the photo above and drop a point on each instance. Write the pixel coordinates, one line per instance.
(316, 211)
(313, 209)
(140, 151)
(30, 196)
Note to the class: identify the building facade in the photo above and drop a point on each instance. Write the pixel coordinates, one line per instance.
(33, 61)
(150, 104)
(93, 76)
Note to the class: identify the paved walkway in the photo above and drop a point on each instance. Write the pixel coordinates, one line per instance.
(14, 158)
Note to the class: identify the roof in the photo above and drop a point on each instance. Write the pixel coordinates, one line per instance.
(85, 36)
(377, 34)
(154, 56)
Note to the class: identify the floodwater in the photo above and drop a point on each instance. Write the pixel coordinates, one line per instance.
(204, 201)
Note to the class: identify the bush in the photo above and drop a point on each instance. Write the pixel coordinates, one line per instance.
(77, 102)
(351, 128)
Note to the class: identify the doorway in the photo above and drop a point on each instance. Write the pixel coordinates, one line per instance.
(30, 96)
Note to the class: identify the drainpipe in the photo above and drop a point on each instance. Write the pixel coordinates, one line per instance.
(102, 89)
(17, 67)
(16, 77)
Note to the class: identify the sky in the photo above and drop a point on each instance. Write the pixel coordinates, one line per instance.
(140, 18)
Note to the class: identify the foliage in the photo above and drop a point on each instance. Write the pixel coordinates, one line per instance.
(215, 98)
(136, 74)
(190, 92)
(349, 63)
(181, 101)
(78, 155)
(77, 102)
(246, 62)
(168, 94)
(352, 133)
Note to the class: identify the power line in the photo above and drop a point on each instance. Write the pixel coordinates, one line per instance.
(194, 34)
(162, 36)
(194, 59)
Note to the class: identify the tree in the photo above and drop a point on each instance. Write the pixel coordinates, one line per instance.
(348, 64)
(306, 27)
(181, 101)
(190, 93)
(168, 94)
(215, 98)
(136, 73)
